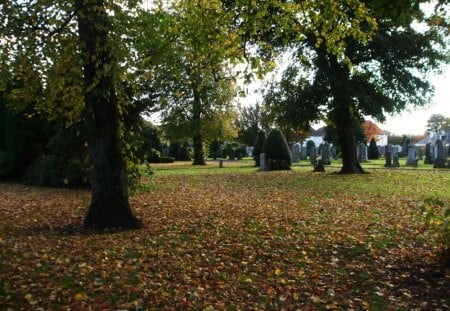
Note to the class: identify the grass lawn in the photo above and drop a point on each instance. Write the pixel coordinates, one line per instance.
(231, 238)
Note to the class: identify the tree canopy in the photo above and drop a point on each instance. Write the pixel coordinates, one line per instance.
(376, 77)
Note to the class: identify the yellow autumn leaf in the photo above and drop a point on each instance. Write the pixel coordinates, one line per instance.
(81, 296)
(277, 272)
(316, 299)
(28, 296)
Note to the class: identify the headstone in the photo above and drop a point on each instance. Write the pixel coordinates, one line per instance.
(303, 153)
(396, 163)
(361, 152)
(333, 153)
(250, 151)
(313, 156)
(439, 162)
(420, 154)
(382, 150)
(428, 156)
(325, 154)
(388, 157)
(220, 163)
(411, 161)
(262, 162)
(295, 150)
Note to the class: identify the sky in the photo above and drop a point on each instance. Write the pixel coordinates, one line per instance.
(414, 122)
(408, 122)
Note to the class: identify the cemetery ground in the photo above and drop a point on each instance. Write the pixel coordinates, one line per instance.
(231, 238)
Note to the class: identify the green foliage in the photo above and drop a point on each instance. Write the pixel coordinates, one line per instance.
(276, 148)
(214, 149)
(248, 123)
(436, 215)
(258, 146)
(373, 152)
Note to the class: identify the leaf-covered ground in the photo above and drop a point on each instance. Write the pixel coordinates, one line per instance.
(234, 241)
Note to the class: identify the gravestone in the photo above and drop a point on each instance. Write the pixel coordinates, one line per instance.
(439, 162)
(303, 153)
(420, 154)
(325, 154)
(388, 157)
(295, 150)
(411, 161)
(262, 162)
(313, 156)
(396, 163)
(361, 152)
(428, 156)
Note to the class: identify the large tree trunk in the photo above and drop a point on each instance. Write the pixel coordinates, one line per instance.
(109, 206)
(350, 163)
(199, 156)
(344, 117)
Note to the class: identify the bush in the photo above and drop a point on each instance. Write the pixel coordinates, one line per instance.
(240, 152)
(173, 149)
(373, 152)
(166, 160)
(258, 147)
(50, 171)
(276, 149)
(153, 156)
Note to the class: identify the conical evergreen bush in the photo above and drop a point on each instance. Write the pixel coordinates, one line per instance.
(277, 151)
(373, 153)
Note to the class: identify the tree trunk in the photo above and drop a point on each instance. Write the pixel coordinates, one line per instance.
(344, 117)
(109, 206)
(350, 163)
(199, 156)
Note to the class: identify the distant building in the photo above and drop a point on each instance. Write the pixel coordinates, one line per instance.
(432, 137)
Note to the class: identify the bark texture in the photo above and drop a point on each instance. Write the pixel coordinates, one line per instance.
(109, 207)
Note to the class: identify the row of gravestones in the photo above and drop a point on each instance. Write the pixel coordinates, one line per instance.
(435, 155)
(300, 153)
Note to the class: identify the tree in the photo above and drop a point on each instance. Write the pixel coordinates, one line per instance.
(371, 130)
(386, 74)
(109, 206)
(277, 151)
(249, 123)
(438, 124)
(83, 30)
(199, 48)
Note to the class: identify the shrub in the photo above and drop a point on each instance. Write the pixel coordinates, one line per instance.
(240, 152)
(153, 156)
(276, 149)
(173, 149)
(258, 147)
(166, 160)
(51, 171)
(373, 152)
